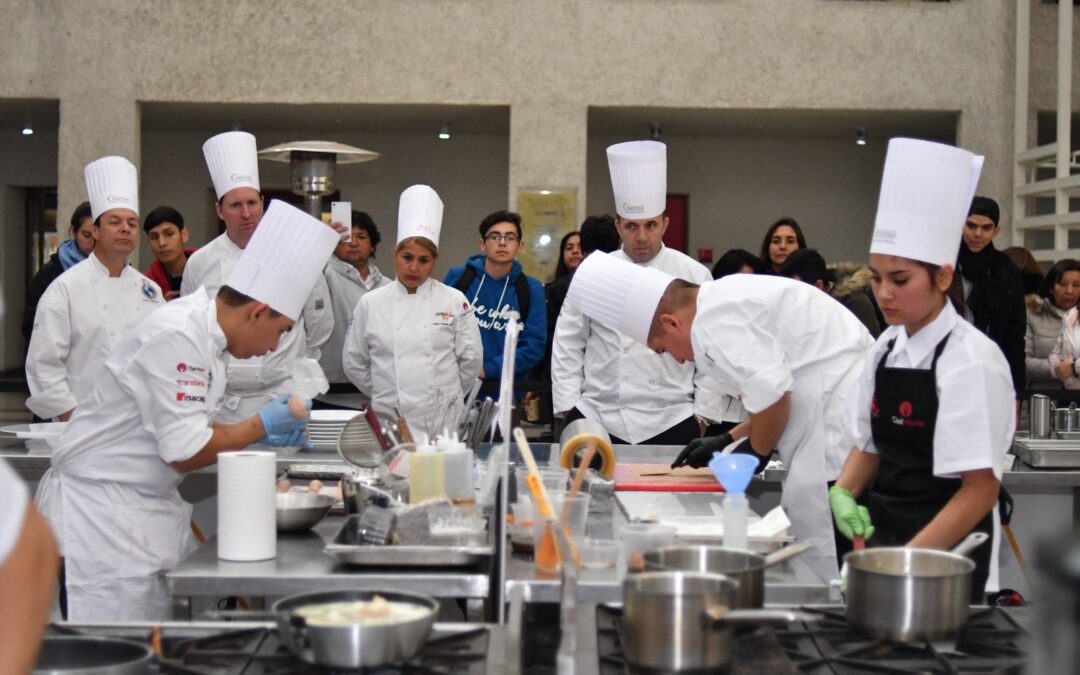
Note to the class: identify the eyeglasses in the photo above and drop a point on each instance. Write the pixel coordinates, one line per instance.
(495, 237)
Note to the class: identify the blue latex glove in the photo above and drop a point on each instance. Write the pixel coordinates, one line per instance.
(292, 439)
(278, 419)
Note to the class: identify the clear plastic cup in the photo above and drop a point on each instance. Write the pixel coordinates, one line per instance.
(521, 530)
(555, 480)
(640, 537)
(599, 554)
(573, 523)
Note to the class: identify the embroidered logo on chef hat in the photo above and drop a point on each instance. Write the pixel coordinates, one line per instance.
(111, 182)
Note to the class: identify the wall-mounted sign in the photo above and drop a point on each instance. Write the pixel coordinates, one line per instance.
(546, 215)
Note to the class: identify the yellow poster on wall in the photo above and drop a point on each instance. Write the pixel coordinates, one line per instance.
(546, 215)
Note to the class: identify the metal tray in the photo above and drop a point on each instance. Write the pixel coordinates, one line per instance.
(1049, 453)
(344, 548)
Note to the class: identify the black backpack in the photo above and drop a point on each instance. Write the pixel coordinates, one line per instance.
(521, 283)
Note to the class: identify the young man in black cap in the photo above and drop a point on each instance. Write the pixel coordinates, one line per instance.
(990, 287)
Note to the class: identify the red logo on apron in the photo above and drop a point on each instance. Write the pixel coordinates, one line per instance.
(905, 409)
(874, 410)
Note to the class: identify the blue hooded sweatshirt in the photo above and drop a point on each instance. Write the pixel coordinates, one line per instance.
(494, 301)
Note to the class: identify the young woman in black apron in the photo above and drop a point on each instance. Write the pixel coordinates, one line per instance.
(934, 410)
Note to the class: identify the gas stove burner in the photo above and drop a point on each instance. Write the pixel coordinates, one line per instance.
(989, 644)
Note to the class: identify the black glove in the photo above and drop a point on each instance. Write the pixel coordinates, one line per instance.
(699, 451)
(745, 448)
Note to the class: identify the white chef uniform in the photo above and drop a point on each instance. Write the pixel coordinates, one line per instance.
(233, 163)
(111, 495)
(346, 288)
(85, 312)
(417, 353)
(925, 195)
(13, 501)
(610, 378)
(756, 338)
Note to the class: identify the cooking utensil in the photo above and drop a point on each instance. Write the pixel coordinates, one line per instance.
(297, 511)
(1040, 411)
(365, 645)
(359, 444)
(548, 554)
(85, 655)
(678, 621)
(910, 594)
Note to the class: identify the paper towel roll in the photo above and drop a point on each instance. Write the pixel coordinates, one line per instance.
(247, 527)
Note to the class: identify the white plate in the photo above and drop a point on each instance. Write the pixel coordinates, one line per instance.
(338, 416)
(38, 430)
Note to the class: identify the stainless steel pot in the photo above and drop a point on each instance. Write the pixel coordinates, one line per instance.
(679, 621)
(84, 655)
(745, 568)
(355, 645)
(297, 511)
(910, 594)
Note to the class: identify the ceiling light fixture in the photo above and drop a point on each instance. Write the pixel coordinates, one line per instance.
(860, 136)
(655, 131)
(444, 133)
(28, 127)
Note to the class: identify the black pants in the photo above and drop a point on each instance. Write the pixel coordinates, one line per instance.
(680, 434)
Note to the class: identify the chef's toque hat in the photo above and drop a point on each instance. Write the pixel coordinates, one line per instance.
(419, 214)
(111, 183)
(233, 161)
(284, 259)
(618, 294)
(638, 178)
(926, 190)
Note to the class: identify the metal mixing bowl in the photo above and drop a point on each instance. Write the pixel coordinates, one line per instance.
(298, 511)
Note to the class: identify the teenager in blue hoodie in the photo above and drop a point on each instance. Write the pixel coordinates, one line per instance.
(498, 290)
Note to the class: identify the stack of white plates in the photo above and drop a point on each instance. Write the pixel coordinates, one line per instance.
(325, 427)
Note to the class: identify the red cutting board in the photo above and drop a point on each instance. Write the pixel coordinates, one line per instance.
(628, 478)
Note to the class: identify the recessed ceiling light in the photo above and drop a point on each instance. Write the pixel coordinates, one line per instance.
(444, 133)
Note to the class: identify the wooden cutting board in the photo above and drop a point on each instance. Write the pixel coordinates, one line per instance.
(634, 477)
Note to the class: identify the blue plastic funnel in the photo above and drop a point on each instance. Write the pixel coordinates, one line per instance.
(734, 471)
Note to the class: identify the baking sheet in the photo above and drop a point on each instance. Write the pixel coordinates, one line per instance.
(345, 548)
(635, 477)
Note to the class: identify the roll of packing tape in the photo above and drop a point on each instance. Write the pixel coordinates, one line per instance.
(575, 439)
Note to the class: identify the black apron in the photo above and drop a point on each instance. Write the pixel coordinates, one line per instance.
(906, 495)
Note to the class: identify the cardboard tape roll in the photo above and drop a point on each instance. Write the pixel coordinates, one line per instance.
(577, 444)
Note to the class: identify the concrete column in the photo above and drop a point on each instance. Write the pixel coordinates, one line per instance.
(548, 143)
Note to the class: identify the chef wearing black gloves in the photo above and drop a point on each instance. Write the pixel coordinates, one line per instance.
(699, 451)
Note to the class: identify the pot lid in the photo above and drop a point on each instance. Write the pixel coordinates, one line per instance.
(345, 154)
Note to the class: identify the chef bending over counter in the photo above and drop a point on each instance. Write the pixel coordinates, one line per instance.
(111, 495)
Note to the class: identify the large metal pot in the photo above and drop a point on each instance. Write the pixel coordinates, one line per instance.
(355, 645)
(910, 594)
(745, 568)
(679, 621)
(83, 655)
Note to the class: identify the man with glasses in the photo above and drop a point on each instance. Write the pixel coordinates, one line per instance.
(499, 291)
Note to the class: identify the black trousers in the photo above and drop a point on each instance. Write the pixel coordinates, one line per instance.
(680, 434)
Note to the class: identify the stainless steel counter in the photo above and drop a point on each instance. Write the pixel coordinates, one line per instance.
(301, 565)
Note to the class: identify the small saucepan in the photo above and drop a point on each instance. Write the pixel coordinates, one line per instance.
(86, 655)
(354, 644)
(680, 621)
(910, 594)
(746, 568)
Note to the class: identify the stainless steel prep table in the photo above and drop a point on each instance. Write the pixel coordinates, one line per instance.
(302, 566)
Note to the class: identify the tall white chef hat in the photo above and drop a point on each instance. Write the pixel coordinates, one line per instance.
(233, 160)
(419, 214)
(618, 294)
(284, 259)
(111, 183)
(638, 178)
(926, 191)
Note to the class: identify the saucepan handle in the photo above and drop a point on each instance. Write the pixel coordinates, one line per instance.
(970, 543)
(718, 616)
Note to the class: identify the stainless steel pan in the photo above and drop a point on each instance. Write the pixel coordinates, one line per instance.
(355, 645)
(84, 655)
(910, 594)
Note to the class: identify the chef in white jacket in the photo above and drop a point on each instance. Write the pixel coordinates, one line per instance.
(349, 275)
(93, 305)
(602, 375)
(111, 495)
(233, 162)
(790, 353)
(414, 345)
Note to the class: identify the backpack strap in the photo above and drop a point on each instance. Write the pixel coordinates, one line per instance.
(524, 296)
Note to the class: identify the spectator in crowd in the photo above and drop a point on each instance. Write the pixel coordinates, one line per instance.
(1030, 269)
(498, 291)
(782, 237)
(1051, 340)
(167, 236)
(349, 275)
(807, 265)
(989, 286)
(72, 251)
(737, 261)
(569, 255)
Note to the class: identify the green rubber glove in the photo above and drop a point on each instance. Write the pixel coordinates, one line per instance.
(851, 519)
